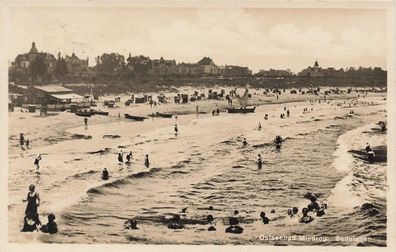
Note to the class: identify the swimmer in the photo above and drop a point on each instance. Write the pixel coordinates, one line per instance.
(175, 223)
(51, 227)
(264, 218)
(368, 148)
(305, 218)
(259, 162)
(244, 142)
(120, 157)
(370, 155)
(234, 228)
(129, 157)
(31, 222)
(37, 162)
(130, 224)
(210, 219)
(321, 212)
(313, 206)
(105, 174)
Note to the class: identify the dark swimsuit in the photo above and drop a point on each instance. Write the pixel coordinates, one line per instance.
(31, 208)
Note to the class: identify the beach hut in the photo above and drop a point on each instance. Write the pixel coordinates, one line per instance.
(161, 98)
(73, 108)
(140, 100)
(32, 108)
(184, 98)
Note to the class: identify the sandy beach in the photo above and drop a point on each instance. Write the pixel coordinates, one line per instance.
(208, 152)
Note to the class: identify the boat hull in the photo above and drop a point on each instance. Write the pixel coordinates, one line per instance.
(135, 118)
(241, 110)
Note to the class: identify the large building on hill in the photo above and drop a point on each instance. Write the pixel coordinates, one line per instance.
(20, 69)
(162, 67)
(76, 66)
(23, 61)
(208, 66)
(314, 71)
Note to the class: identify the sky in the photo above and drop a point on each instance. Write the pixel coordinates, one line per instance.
(259, 38)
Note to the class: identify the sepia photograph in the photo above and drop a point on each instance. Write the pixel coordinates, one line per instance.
(197, 125)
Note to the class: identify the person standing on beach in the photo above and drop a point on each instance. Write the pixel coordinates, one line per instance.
(176, 130)
(120, 157)
(37, 162)
(146, 161)
(196, 109)
(259, 162)
(21, 139)
(129, 157)
(33, 201)
(259, 126)
(27, 143)
(244, 142)
(288, 113)
(86, 122)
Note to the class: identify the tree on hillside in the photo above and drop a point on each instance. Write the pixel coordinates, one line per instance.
(60, 69)
(38, 68)
(110, 64)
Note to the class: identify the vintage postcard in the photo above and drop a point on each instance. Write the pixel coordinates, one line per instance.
(259, 124)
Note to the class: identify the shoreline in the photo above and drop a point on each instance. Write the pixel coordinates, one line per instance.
(57, 129)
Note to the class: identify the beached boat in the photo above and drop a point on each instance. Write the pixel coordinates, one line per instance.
(164, 115)
(243, 100)
(241, 110)
(83, 113)
(99, 112)
(135, 118)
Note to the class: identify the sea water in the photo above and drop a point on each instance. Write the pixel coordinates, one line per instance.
(206, 165)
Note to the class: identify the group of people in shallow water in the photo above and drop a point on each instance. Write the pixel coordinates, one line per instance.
(234, 224)
(31, 221)
(120, 156)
